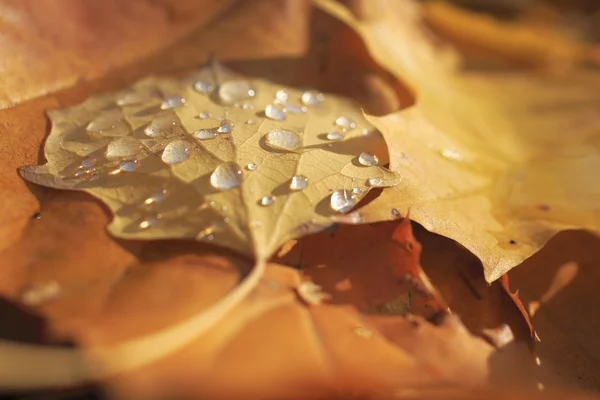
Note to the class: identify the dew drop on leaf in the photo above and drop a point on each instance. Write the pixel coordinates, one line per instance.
(312, 98)
(131, 99)
(336, 136)
(283, 139)
(109, 125)
(156, 197)
(275, 112)
(267, 201)
(203, 87)
(345, 123)
(205, 134)
(368, 159)
(281, 96)
(226, 176)
(235, 91)
(123, 147)
(41, 293)
(172, 102)
(161, 126)
(343, 200)
(357, 191)
(149, 222)
(204, 115)
(176, 152)
(294, 109)
(226, 126)
(251, 167)
(88, 162)
(299, 182)
(250, 122)
(129, 166)
(374, 182)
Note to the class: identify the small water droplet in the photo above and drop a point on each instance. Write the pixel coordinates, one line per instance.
(343, 200)
(395, 212)
(176, 152)
(203, 87)
(129, 166)
(161, 126)
(251, 167)
(355, 217)
(156, 197)
(226, 176)
(363, 332)
(41, 293)
(94, 176)
(247, 105)
(235, 91)
(204, 115)
(312, 98)
(267, 201)
(123, 147)
(88, 162)
(80, 172)
(37, 215)
(283, 139)
(357, 191)
(172, 102)
(221, 118)
(149, 222)
(275, 112)
(110, 124)
(250, 122)
(345, 123)
(208, 232)
(451, 155)
(336, 136)
(368, 159)
(312, 293)
(226, 126)
(131, 99)
(366, 131)
(281, 96)
(374, 182)
(205, 134)
(294, 109)
(299, 182)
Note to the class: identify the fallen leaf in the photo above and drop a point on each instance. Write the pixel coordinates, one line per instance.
(485, 158)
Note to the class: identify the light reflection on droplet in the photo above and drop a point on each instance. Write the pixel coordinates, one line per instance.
(156, 197)
(226, 176)
(335, 136)
(205, 134)
(251, 167)
(283, 139)
(129, 166)
(203, 87)
(299, 182)
(172, 102)
(226, 126)
(312, 98)
(368, 159)
(232, 92)
(345, 123)
(266, 201)
(343, 200)
(176, 152)
(123, 147)
(275, 112)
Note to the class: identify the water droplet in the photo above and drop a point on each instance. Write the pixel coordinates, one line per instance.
(275, 112)
(38, 294)
(281, 96)
(283, 139)
(176, 152)
(335, 136)
(111, 124)
(368, 159)
(156, 197)
(123, 147)
(204, 115)
(366, 131)
(80, 172)
(88, 162)
(343, 200)
(345, 123)
(235, 91)
(94, 176)
(294, 109)
(374, 182)
(205, 134)
(226, 126)
(312, 293)
(172, 102)
(247, 105)
(131, 99)
(299, 182)
(208, 232)
(129, 166)
(149, 222)
(203, 87)
(251, 167)
(250, 122)
(161, 126)
(395, 212)
(267, 201)
(355, 217)
(221, 118)
(357, 191)
(451, 155)
(226, 176)
(312, 98)
(363, 332)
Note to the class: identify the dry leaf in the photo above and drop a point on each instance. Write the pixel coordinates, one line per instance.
(497, 162)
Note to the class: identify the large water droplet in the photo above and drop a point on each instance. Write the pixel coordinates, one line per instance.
(283, 139)
(161, 126)
(123, 147)
(312, 98)
(226, 126)
(235, 91)
(149, 222)
(343, 200)
(281, 96)
(110, 124)
(299, 182)
(203, 87)
(129, 166)
(275, 112)
(335, 136)
(266, 201)
(176, 152)
(88, 162)
(172, 102)
(368, 159)
(205, 134)
(156, 197)
(251, 167)
(345, 123)
(226, 176)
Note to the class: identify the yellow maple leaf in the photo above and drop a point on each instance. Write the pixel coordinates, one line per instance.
(497, 162)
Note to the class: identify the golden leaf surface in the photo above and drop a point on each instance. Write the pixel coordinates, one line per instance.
(497, 162)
